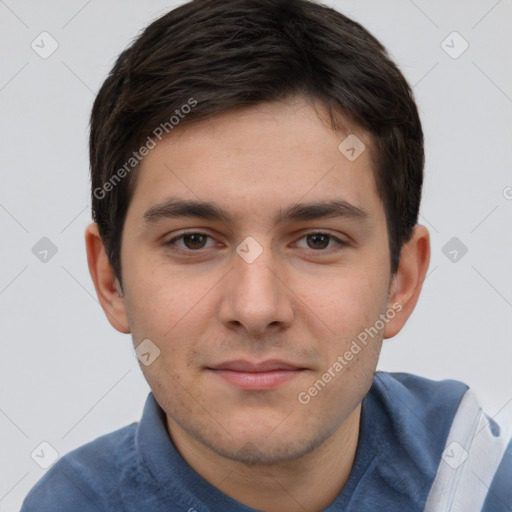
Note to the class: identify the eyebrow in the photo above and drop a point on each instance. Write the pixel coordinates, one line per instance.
(176, 208)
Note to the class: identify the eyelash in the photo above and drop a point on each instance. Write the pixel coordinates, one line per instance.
(189, 252)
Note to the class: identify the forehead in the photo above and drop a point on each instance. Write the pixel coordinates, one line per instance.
(257, 160)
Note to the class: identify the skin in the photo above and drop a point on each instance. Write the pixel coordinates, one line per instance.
(301, 301)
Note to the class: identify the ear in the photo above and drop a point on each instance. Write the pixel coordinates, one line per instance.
(408, 280)
(107, 286)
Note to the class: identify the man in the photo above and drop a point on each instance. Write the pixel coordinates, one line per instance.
(256, 178)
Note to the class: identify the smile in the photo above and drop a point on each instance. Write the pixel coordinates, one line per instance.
(263, 376)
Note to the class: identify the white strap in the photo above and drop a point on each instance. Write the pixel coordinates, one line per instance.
(470, 459)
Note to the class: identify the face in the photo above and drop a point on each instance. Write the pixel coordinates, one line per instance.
(254, 297)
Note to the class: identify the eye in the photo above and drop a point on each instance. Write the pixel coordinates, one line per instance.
(195, 241)
(318, 241)
(192, 241)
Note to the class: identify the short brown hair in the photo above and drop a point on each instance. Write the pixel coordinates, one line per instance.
(222, 55)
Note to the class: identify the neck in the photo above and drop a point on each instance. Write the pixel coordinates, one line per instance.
(311, 482)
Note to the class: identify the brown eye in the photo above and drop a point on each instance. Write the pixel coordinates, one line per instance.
(194, 241)
(318, 241)
(190, 242)
(321, 242)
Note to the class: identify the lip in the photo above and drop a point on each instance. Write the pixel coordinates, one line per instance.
(261, 376)
(241, 365)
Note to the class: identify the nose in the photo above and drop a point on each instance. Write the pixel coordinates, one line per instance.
(256, 298)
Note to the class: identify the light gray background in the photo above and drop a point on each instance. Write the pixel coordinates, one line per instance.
(68, 377)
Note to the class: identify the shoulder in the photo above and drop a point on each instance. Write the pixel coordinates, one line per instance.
(406, 400)
(85, 478)
(415, 414)
(438, 429)
(476, 467)
(499, 496)
(406, 420)
(418, 391)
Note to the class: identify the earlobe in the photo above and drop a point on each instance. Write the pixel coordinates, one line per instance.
(408, 280)
(108, 289)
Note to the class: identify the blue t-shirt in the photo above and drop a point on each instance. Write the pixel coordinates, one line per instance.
(405, 422)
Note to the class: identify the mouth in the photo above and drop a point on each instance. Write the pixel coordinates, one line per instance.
(262, 376)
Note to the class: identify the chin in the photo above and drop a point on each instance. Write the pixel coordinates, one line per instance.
(264, 450)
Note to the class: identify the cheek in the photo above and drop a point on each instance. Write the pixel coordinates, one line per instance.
(162, 299)
(345, 302)
(171, 309)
